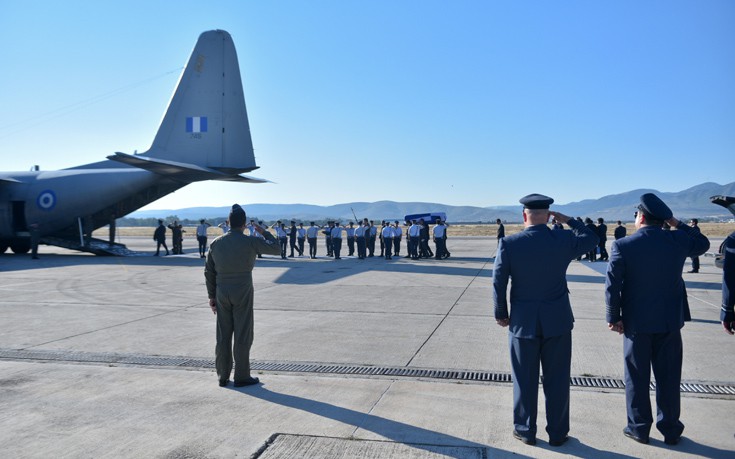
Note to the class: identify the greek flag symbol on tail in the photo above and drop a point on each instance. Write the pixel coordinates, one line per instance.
(196, 124)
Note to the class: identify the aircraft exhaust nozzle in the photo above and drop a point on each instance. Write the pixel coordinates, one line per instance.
(206, 123)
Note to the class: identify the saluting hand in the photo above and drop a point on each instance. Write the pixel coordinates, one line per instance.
(213, 305)
(560, 217)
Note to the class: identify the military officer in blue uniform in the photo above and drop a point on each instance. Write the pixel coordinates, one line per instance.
(645, 298)
(727, 316)
(541, 320)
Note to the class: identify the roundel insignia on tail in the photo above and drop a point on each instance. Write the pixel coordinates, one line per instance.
(46, 200)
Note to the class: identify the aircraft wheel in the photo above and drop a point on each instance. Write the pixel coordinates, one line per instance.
(20, 247)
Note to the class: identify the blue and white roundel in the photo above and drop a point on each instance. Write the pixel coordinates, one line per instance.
(46, 200)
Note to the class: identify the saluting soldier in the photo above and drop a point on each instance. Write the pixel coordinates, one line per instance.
(646, 301)
(228, 274)
(535, 260)
(350, 230)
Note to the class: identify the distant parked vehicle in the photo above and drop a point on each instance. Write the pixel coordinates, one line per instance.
(728, 202)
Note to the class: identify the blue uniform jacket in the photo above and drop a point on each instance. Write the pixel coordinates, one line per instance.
(644, 286)
(536, 260)
(728, 280)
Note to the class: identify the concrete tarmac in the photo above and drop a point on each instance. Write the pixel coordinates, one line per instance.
(112, 357)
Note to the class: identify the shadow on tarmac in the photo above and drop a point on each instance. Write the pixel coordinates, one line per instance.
(393, 430)
(414, 436)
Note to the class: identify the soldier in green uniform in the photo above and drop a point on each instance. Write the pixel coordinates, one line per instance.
(228, 274)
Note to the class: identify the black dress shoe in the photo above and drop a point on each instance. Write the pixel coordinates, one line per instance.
(223, 382)
(247, 382)
(527, 441)
(630, 434)
(672, 441)
(558, 442)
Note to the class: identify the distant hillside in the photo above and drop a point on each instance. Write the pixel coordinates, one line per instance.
(691, 203)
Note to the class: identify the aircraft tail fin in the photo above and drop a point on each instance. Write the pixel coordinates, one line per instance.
(206, 123)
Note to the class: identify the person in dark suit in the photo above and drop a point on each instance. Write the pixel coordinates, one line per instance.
(602, 234)
(592, 254)
(501, 229)
(695, 260)
(727, 316)
(292, 235)
(160, 237)
(620, 231)
(645, 298)
(540, 319)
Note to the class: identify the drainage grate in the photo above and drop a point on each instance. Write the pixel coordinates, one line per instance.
(297, 367)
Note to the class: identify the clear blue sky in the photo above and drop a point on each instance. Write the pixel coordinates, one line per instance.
(457, 102)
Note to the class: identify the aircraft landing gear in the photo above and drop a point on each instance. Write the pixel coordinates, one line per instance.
(20, 247)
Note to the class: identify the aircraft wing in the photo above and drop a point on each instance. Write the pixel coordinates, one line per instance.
(8, 180)
(183, 171)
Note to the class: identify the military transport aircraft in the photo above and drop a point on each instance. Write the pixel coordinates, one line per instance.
(204, 135)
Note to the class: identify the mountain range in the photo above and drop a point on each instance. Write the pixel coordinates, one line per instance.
(690, 203)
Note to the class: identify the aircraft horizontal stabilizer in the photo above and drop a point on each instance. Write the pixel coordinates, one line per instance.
(181, 171)
(9, 180)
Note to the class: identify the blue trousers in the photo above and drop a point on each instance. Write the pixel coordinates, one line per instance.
(664, 352)
(336, 246)
(361, 252)
(554, 355)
